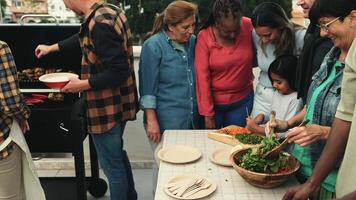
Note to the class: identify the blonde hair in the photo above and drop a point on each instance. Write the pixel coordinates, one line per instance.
(175, 13)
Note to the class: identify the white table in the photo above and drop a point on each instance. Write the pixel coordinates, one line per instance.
(230, 185)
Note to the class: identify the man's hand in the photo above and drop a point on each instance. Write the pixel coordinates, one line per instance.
(24, 126)
(42, 50)
(301, 192)
(76, 85)
(306, 135)
(153, 131)
(209, 122)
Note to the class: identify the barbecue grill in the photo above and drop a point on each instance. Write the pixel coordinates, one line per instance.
(57, 125)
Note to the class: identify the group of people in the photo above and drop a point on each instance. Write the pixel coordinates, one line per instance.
(205, 81)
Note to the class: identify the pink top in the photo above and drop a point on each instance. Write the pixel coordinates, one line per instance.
(223, 74)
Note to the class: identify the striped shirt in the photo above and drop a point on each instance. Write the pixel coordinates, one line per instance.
(12, 104)
(109, 68)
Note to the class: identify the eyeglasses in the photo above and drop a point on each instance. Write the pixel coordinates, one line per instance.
(325, 27)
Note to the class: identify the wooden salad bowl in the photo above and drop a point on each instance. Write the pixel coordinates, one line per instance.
(263, 180)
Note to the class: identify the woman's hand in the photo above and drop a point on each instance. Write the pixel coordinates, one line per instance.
(153, 131)
(306, 135)
(209, 122)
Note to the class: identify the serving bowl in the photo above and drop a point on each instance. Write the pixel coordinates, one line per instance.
(56, 80)
(263, 180)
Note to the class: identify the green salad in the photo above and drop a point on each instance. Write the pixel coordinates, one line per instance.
(249, 138)
(253, 161)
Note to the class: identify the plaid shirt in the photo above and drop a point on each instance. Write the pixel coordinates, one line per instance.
(108, 105)
(12, 105)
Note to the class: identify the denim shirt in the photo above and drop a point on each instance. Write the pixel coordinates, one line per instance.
(328, 99)
(167, 82)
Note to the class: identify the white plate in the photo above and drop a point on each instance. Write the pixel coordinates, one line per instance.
(179, 154)
(221, 157)
(187, 177)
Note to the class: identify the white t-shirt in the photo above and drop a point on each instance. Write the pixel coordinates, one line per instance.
(285, 106)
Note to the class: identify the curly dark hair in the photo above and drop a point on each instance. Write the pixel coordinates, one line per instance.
(223, 9)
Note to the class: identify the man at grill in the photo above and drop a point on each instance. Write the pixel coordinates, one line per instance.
(108, 85)
(18, 178)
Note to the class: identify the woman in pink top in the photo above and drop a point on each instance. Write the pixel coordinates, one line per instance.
(223, 66)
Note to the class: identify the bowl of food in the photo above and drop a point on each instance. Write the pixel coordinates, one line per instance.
(56, 80)
(262, 172)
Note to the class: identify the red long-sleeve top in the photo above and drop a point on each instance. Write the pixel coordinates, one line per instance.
(223, 74)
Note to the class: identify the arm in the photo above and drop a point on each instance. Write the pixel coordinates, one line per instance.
(332, 153)
(284, 125)
(69, 44)
(203, 82)
(253, 124)
(350, 196)
(113, 57)
(11, 98)
(148, 86)
(306, 135)
(152, 129)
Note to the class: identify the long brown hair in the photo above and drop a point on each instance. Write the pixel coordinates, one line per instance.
(175, 13)
(272, 15)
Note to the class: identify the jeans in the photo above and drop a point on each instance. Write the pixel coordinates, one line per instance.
(233, 114)
(115, 163)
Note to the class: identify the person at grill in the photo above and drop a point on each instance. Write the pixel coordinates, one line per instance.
(274, 35)
(336, 21)
(166, 74)
(108, 85)
(18, 178)
(223, 66)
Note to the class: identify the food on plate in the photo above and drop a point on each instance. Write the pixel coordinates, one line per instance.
(249, 138)
(39, 71)
(234, 130)
(29, 73)
(56, 96)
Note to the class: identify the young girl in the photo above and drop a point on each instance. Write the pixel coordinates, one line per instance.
(285, 103)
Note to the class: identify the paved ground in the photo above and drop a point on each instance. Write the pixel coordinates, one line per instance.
(143, 182)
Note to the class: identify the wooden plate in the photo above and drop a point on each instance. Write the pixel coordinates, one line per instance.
(179, 154)
(221, 157)
(187, 177)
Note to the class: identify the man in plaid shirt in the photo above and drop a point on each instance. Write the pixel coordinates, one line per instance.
(12, 108)
(108, 85)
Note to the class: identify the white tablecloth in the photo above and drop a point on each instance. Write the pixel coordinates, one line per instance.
(230, 185)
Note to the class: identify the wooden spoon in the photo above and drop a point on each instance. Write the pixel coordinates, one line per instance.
(276, 150)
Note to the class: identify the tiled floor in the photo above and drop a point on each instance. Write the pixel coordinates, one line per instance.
(143, 181)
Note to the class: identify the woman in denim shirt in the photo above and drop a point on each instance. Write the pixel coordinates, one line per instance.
(166, 73)
(323, 96)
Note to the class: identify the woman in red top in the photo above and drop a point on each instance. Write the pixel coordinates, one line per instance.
(223, 66)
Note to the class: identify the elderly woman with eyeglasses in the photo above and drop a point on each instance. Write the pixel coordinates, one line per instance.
(336, 20)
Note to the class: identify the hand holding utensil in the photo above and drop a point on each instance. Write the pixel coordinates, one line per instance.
(276, 150)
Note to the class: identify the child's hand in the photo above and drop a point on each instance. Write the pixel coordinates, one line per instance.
(251, 125)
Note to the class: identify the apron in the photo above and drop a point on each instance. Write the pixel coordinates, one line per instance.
(32, 189)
